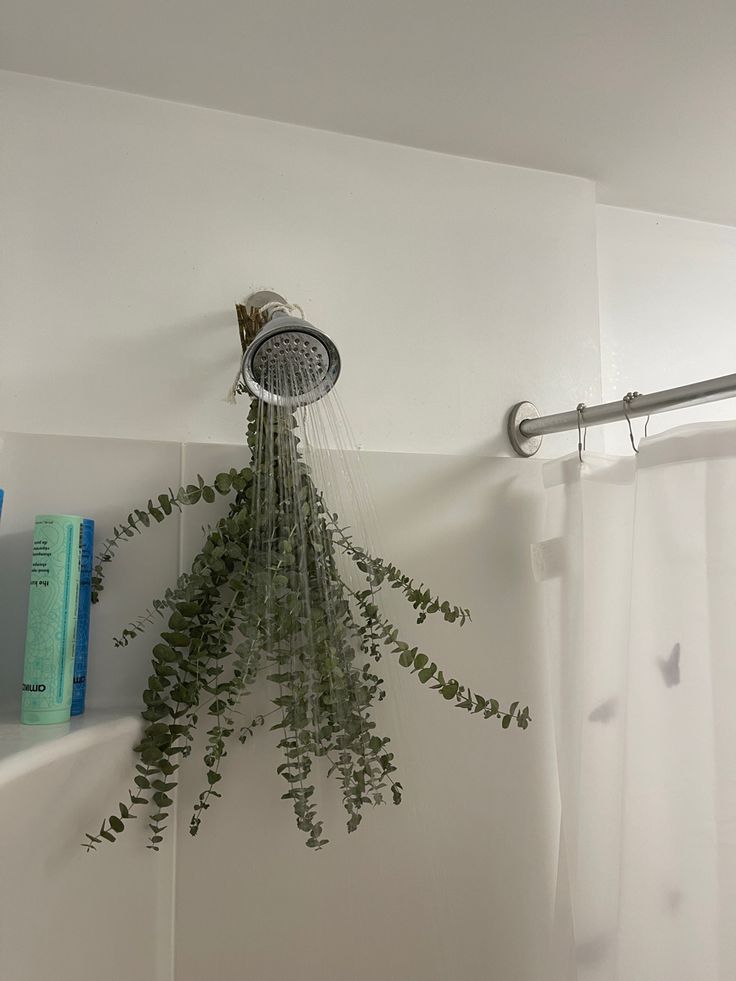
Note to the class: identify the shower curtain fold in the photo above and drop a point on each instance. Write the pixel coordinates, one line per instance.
(638, 570)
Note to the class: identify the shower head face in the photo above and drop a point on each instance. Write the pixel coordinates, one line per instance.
(290, 363)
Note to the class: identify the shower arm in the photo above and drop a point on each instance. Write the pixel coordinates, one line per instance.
(526, 426)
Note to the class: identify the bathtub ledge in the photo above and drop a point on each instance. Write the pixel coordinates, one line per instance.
(27, 748)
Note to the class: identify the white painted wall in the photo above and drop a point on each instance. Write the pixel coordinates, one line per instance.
(667, 311)
(131, 226)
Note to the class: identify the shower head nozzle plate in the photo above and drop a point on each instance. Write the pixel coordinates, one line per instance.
(290, 363)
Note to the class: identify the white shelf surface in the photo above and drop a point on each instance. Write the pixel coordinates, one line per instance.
(24, 748)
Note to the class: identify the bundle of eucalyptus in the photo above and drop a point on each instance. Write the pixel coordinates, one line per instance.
(265, 596)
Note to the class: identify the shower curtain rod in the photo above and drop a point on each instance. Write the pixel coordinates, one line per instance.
(526, 426)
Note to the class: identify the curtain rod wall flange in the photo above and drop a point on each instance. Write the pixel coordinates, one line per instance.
(522, 444)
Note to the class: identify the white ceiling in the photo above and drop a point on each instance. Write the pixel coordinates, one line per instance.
(638, 94)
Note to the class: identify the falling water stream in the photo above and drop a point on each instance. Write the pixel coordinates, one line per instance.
(321, 654)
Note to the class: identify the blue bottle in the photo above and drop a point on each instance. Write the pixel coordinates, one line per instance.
(81, 641)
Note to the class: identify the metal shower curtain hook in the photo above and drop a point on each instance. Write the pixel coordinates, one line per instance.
(581, 439)
(627, 400)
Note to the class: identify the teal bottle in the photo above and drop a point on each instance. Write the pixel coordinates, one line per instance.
(48, 669)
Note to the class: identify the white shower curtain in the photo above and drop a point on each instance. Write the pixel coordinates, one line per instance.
(638, 568)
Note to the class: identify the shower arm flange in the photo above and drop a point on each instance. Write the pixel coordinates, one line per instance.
(250, 314)
(262, 298)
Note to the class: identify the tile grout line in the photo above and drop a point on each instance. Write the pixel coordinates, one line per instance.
(175, 828)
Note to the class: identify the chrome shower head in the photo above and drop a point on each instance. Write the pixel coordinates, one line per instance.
(289, 362)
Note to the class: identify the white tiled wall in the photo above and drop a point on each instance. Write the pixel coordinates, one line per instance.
(453, 884)
(470, 849)
(66, 914)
